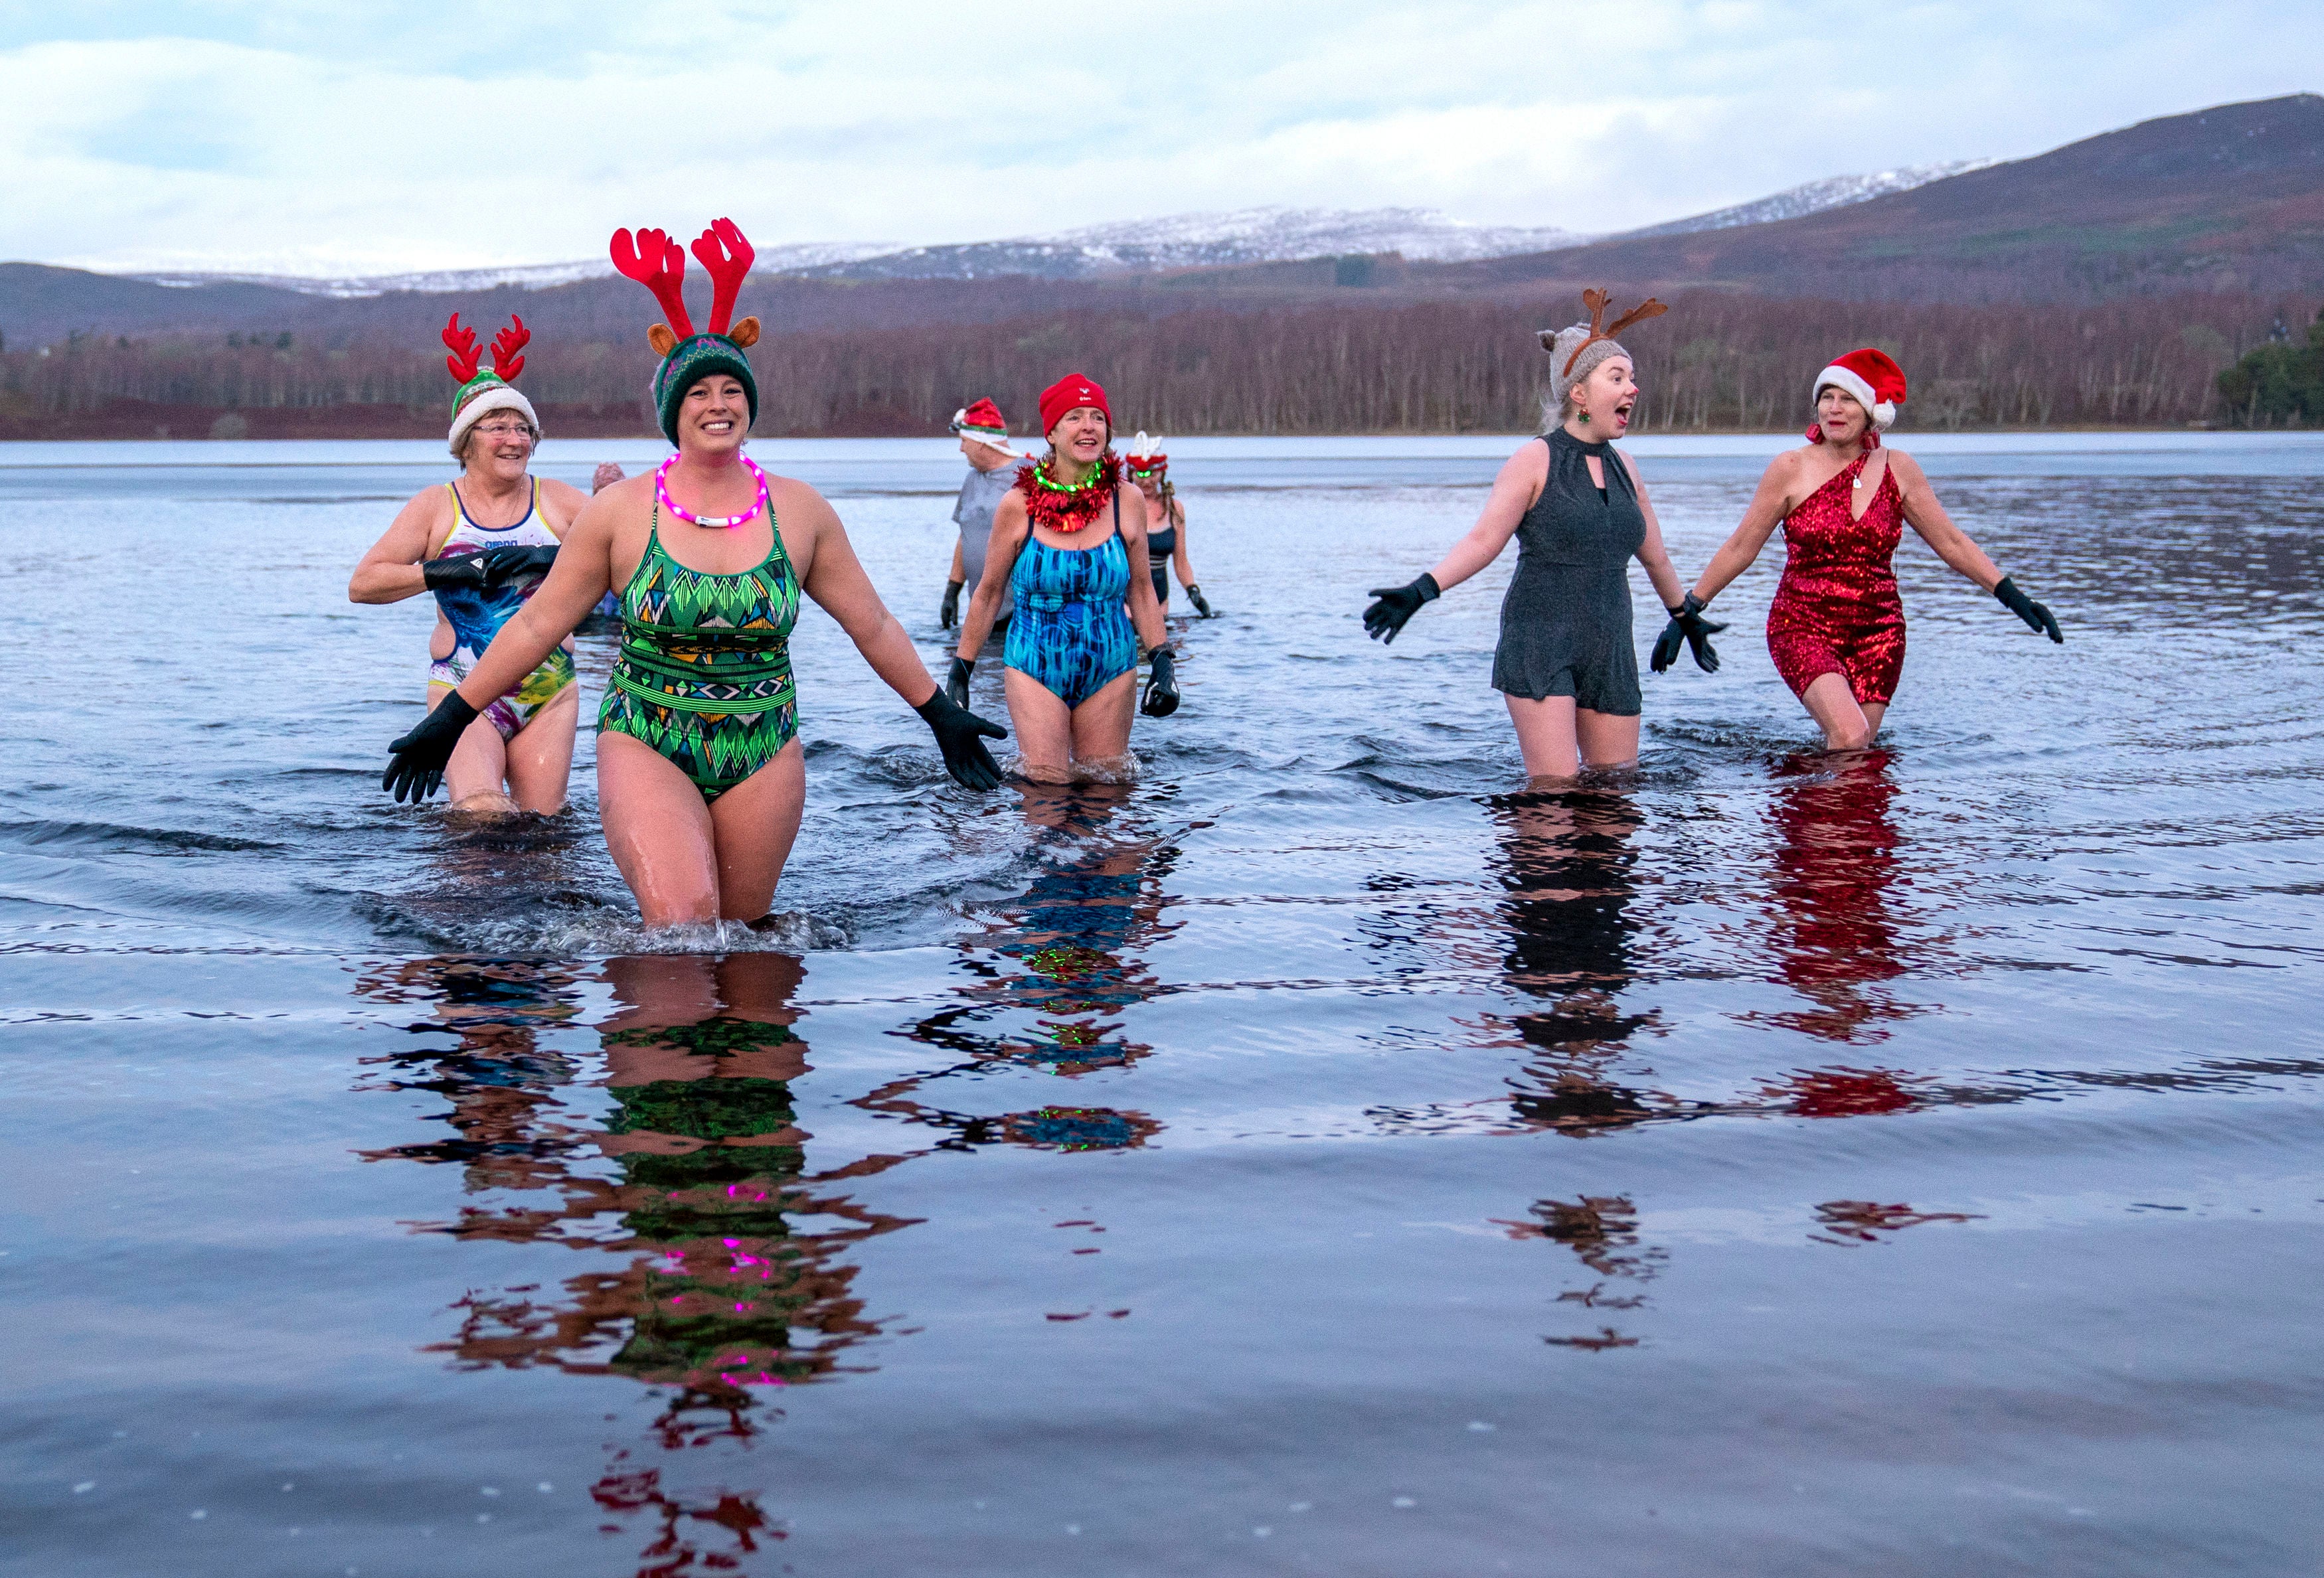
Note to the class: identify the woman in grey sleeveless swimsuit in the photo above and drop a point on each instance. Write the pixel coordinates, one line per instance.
(1574, 503)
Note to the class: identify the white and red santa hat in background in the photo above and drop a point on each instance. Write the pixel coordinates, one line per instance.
(983, 422)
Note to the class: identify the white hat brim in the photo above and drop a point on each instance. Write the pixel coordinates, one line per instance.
(506, 397)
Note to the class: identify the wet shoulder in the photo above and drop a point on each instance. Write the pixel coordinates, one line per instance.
(433, 509)
(1795, 474)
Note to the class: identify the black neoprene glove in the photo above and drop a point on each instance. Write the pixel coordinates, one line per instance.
(1202, 603)
(1161, 685)
(1384, 618)
(2026, 609)
(503, 565)
(948, 611)
(1687, 625)
(956, 682)
(462, 571)
(415, 763)
(957, 732)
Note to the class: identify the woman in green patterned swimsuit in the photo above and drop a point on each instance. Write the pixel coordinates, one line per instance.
(700, 776)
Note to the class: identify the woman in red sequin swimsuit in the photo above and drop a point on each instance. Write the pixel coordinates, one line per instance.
(1836, 628)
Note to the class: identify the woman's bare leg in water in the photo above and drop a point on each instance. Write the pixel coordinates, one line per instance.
(539, 760)
(1847, 725)
(690, 862)
(1558, 738)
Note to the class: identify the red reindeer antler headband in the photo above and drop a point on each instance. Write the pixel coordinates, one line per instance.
(1598, 301)
(462, 363)
(659, 263)
(727, 256)
(505, 347)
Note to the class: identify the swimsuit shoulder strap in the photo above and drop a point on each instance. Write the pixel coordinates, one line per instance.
(459, 514)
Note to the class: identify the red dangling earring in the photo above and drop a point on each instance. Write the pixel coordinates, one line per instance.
(1815, 432)
(1871, 439)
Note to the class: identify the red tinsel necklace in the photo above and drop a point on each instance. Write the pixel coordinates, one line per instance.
(1064, 509)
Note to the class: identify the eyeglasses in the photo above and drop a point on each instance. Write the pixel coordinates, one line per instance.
(503, 430)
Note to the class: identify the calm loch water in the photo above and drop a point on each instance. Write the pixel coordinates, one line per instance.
(1320, 1156)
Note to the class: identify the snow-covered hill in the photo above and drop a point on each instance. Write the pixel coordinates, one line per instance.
(1180, 241)
(528, 277)
(1188, 241)
(1833, 192)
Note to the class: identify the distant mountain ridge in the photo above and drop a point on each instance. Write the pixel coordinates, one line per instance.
(1174, 242)
(781, 260)
(1212, 240)
(1837, 192)
(2228, 199)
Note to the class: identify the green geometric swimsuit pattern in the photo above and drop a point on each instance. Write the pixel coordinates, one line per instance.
(705, 672)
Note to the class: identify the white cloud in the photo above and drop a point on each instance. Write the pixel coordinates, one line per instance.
(378, 138)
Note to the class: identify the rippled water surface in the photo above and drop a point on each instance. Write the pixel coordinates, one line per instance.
(1318, 1157)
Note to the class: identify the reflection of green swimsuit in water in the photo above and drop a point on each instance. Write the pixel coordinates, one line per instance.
(705, 672)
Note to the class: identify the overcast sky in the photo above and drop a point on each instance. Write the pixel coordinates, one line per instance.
(349, 136)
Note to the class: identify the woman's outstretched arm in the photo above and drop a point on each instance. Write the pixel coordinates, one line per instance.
(580, 576)
(1768, 507)
(1928, 517)
(837, 580)
(1011, 527)
(1514, 491)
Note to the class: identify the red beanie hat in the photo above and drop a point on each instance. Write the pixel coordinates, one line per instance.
(1872, 376)
(1070, 392)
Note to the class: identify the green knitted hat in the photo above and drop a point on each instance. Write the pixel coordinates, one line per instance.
(695, 358)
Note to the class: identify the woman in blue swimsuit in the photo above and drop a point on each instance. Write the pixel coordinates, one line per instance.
(1068, 551)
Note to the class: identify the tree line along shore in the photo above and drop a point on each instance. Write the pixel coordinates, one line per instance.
(1721, 361)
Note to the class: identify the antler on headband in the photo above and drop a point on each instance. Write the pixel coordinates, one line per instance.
(506, 363)
(726, 256)
(462, 363)
(1598, 301)
(659, 263)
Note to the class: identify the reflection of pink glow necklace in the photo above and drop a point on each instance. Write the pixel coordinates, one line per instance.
(715, 522)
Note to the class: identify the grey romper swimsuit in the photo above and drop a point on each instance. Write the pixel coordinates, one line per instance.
(1566, 624)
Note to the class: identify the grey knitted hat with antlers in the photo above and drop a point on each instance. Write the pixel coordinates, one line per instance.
(1575, 352)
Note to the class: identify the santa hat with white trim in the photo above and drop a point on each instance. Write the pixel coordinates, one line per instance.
(1871, 377)
(983, 422)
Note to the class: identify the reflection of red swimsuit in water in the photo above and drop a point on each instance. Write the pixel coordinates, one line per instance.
(1837, 611)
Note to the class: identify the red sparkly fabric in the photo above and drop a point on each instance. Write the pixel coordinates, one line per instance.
(1837, 611)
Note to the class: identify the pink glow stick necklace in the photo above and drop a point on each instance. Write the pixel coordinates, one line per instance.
(715, 522)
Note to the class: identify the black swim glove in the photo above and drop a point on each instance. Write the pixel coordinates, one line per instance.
(462, 571)
(503, 565)
(415, 763)
(948, 612)
(1162, 686)
(956, 682)
(1687, 625)
(2031, 612)
(1384, 618)
(957, 732)
(1202, 603)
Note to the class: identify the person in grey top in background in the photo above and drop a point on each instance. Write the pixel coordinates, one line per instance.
(993, 472)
